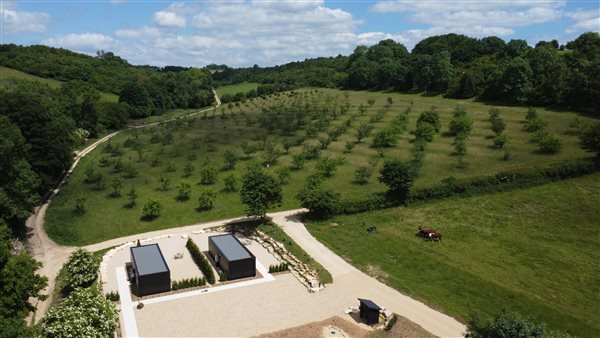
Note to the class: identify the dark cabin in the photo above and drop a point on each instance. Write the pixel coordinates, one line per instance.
(151, 273)
(369, 311)
(232, 256)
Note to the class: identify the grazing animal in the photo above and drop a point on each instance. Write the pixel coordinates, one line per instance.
(435, 236)
(424, 232)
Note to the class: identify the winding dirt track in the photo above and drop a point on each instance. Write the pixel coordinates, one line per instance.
(45, 250)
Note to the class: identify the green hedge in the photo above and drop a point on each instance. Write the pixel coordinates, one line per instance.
(201, 261)
(278, 268)
(188, 283)
(451, 187)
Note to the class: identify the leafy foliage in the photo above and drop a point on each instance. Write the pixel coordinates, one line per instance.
(200, 261)
(85, 313)
(82, 268)
(152, 210)
(260, 192)
(206, 199)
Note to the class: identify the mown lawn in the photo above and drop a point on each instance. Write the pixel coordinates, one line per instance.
(243, 87)
(202, 141)
(535, 251)
(9, 73)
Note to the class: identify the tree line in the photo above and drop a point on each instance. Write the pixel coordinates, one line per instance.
(454, 65)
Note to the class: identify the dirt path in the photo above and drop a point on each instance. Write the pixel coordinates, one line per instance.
(357, 283)
(45, 250)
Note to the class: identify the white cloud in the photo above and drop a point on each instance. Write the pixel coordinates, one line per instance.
(584, 21)
(166, 18)
(15, 22)
(85, 42)
(144, 32)
(474, 18)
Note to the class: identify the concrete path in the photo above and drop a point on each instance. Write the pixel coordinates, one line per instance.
(360, 284)
(127, 314)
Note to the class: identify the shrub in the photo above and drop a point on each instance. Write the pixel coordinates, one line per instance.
(132, 198)
(130, 171)
(500, 141)
(230, 158)
(184, 191)
(188, 283)
(152, 210)
(164, 183)
(201, 261)
(326, 166)
(363, 131)
(188, 169)
(310, 152)
(390, 324)
(283, 174)
(535, 124)
(223, 276)
(232, 183)
(321, 202)
(431, 117)
(85, 313)
(297, 161)
(590, 138)
(385, 138)
(460, 125)
(398, 176)
(509, 324)
(349, 146)
(113, 296)
(549, 144)
(82, 268)
(208, 175)
(362, 174)
(425, 131)
(116, 185)
(79, 208)
(278, 267)
(206, 200)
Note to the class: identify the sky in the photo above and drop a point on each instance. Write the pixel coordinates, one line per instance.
(265, 32)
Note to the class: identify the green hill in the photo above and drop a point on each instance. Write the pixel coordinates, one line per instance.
(7, 74)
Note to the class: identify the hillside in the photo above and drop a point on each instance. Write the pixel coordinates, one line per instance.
(9, 73)
(265, 130)
(533, 251)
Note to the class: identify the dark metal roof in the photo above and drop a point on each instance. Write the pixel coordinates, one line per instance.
(231, 247)
(369, 304)
(148, 259)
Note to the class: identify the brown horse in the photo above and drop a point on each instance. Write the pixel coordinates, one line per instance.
(424, 232)
(435, 236)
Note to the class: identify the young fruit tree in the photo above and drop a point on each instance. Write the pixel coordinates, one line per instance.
(260, 192)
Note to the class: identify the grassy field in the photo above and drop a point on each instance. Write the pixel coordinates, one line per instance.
(534, 251)
(236, 88)
(202, 141)
(9, 73)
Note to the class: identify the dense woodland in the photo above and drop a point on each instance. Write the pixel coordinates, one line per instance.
(454, 65)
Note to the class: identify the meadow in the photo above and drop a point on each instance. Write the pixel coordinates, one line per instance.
(534, 251)
(243, 87)
(267, 123)
(9, 73)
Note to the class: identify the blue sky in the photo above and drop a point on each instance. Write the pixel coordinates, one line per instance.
(243, 33)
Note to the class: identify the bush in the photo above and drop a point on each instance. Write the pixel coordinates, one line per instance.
(208, 175)
(278, 268)
(500, 141)
(460, 125)
(298, 161)
(425, 131)
(232, 183)
(188, 169)
(113, 296)
(362, 174)
(152, 210)
(590, 138)
(206, 200)
(184, 191)
(230, 159)
(385, 138)
(326, 166)
(188, 283)
(390, 324)
(310, 152)
(510, 324)
(283, 174)
(398, 176)
(549, 144)
(85, 313)
(321, 202)
(349, 146)
(79, 208)
(432, 118)
(201, 261)
(223, 276)
(82, 268)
